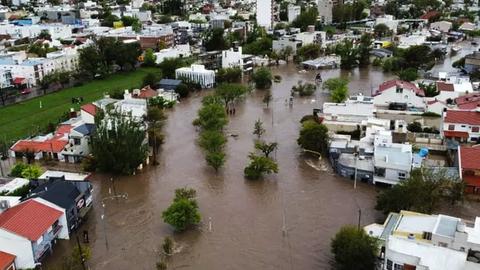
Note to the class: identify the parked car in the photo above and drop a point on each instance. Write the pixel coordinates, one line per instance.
(26, 91)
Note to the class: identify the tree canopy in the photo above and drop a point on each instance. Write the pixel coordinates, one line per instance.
(183, 212)
(118, 144)
(262, 78)
(354, 249)
(338, 88)
(314, 137)
(421, 192)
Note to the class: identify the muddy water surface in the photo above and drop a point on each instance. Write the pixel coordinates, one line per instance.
(283, 222)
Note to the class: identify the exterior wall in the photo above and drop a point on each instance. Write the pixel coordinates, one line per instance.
(232, 58)
(406, 96)
(18, 246)
(278, 45)
(349, 172)
(325, 10)
(86, 117)
(473, 136)
(62, 221)
(264, 13)
(436, 107)
(293, 12)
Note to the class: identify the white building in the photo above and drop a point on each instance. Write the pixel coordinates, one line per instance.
(265, 13)
(393, 163)
(64, 60)
(197, 74)
(233, 57)
(180, 50)
(427, 242)
(325, 8)
(286, 41)
(28, 230)
(400, 95)
(293, 12)
(347, 116)
(462, 125)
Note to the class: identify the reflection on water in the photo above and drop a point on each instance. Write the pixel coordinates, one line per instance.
(283, 222)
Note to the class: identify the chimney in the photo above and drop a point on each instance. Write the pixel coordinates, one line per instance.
(72, 113)
(311, 28)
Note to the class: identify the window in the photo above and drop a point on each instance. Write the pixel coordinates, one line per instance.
(451, 127)
(76, 141)
(401, 175)
(398, 267)
(441, 244)
(389, 265)
(475, 129)
(427, 235)
(463, 126)
(399, 90)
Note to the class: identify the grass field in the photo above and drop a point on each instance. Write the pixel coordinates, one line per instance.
(25, 118)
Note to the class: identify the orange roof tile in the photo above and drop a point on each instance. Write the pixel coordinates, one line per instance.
(462, 117)
(30, 219)
(470, 158)
(403, 84)
(89, 108)
(53, 145)
(6, 259)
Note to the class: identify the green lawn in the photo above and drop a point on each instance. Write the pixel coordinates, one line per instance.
(24, 118)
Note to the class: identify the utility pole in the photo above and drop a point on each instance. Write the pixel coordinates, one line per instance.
(359, 217)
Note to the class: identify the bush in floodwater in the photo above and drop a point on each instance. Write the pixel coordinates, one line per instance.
(161, 266)
(167, 246)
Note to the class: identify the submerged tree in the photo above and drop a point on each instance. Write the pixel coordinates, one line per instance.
(267, 98)
(313, 137)
(421, 192)
(259, 166)
(258, 129)
(262, 78)
(118, 144)
(354, 249)
(183, 212)
(266, 148)
(338, 88)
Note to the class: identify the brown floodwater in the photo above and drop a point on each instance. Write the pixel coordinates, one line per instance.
(285, 221)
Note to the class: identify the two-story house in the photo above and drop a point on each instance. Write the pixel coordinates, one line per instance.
(28, 231)
(73, 196)
(461, 125)
(415, 241)
(399, 95)
(469, 166)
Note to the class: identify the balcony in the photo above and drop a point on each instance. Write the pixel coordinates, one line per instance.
(39, 250)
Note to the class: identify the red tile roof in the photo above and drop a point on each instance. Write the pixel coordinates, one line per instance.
(470, 158)
(468, 102)
(455, 134)
(429, 15)
(402, 84)
(89, 108)
(53, 145)
(30, 219)
(63, 129)
(462, 117)
(6, 259)
(443, 86)
(146, 93)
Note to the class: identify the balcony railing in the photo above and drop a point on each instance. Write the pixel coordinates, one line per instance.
(40, 249)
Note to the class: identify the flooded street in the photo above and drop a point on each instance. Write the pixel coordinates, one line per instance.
(283, 222)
